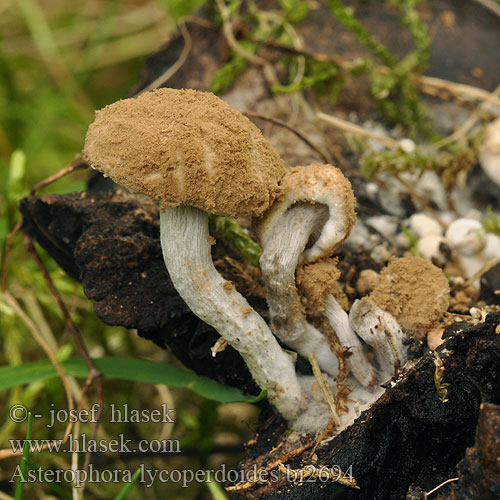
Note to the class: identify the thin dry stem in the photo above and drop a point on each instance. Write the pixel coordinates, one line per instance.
(426, 495)
(166, 75)
(491, 5)
(463, 129)
(94, 373)
(458, 89)
(299, 134)
(37, 335)
(78, 164)
(425, 204)
(325, 389)
(484, 269)
(351, 128)
(227, 29)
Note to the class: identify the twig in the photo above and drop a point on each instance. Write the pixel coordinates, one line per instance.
(94, 373)
(325, 388)
(166, 75)
(36, 335)
(421, 200)
(349, 127)
(4, 496)
(484, 269)
(491, 5)
(200, 21)
(227, 29)
(463, 129)
(426, 495)
(459, 89)
(388, 142)
(317, 56)
(6, 254)
(78, 338)
(283, 124)
(78, 164)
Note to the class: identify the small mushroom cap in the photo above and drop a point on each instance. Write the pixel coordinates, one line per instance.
(489, 154)
(186, 147)
(466, 237)
(317, 280)
(415, 292)
(320, 184)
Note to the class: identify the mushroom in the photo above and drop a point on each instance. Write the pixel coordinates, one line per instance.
(410, 298)
(468, 239)
(197, 155)
(424, 225)
(489, 153)
(313, 217)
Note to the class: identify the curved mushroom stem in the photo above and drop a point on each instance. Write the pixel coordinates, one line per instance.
(278, 262)
(357, 362)
(379, 329)
(281, 254)
(186, 251)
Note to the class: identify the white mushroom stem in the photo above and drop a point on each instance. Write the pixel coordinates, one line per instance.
(379, 329)
(357, 362)
(280, 256)
(187, 254)
(281, 253)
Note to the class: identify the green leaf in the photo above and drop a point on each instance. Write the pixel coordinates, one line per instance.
(136, 370)
(294, 11)
(238, 237)
(17, 166)
(24, 465)
(127, 487)
(4, 228)
(491, 221)
(53, 486)
(215, 489)
(17, 169)
(224, 77)
(181, 8)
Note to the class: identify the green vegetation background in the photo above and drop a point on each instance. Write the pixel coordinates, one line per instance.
(59, 61)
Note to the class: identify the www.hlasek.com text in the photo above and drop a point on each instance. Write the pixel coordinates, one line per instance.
(82, 444)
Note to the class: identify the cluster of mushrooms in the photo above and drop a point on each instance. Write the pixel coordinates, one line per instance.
(197, 155)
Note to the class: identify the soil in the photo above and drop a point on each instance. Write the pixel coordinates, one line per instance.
(409, 441)
(408, 437)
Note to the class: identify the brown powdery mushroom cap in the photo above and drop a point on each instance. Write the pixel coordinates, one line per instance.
(186, 147)
(415, 292)
(318, 280)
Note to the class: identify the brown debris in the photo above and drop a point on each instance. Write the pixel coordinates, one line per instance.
(462, 298)
(368, 279)
(228, 286)
(246, 311)
(316, 281)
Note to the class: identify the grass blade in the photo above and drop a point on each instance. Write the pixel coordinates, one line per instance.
(24, 464)
(53, 486)
(127, 487)
(133, 369)
(215, 489)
